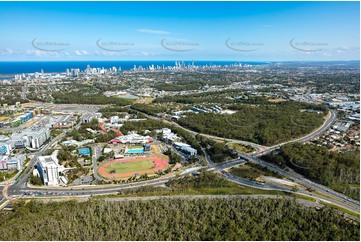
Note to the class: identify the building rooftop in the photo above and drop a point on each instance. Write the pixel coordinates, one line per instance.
(49, 160)
(181, 144)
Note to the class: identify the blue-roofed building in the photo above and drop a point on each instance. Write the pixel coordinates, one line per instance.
(84, 151)
(5, 148)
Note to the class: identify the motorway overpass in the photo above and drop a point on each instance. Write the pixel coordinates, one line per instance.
(19, 188)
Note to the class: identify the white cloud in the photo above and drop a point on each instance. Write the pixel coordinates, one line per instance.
(144, 53)
(153, 31)
(81, 52)
(28, 53)
(344, 49)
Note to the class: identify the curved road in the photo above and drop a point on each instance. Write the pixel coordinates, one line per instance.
(19, 188)
(319, 131)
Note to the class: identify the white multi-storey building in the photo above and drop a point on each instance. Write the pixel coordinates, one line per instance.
(30, 138)
(48, 168)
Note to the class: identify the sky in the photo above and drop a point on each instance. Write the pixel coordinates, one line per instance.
(239, 31)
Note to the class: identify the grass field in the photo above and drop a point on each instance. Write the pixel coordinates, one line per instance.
(122, 167)
(127, 167)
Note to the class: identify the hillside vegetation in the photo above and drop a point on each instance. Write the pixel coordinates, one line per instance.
(340, 171)
(264, 124)
(174, 219)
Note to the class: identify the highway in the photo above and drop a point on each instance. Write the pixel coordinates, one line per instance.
(318, 132)
(334, 197)
(330, 195)
(15, 192)
(264, 149)
(20, 189)
(89, 190)
(86, 190)
(194, 133)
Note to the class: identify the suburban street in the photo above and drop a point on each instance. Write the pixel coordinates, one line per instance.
(96, 149)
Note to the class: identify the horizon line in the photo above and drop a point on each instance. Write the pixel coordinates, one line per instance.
(181, 60)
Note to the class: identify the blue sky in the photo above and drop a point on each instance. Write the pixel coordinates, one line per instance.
(240, 31)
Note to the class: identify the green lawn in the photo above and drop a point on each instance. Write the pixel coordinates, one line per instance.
(122, 167)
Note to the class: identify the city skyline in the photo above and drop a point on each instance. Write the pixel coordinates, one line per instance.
(240, 31)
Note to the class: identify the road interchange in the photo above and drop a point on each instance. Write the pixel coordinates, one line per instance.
(19, 188)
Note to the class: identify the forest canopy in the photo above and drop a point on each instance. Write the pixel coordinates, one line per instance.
(175, 219)
(265, 124)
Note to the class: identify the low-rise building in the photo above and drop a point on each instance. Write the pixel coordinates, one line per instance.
(65, 122)
(5, 148)
(114, 119)
(3, 162)
(185, 148)
(168, 136)
(132, 138)
(16, 163)
(77, 143)
(147, 147)
(342, 126)
(12, 163)
(87, 118)
(18, 141)
(84, 151)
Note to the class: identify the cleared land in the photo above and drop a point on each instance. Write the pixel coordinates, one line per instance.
(145, 100)
(155, 149)
(4, 118)
(277, 100)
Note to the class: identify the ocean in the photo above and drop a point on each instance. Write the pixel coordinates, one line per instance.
(19, 67)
